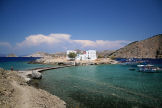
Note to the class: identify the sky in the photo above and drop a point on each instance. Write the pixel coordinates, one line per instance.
(28, 26)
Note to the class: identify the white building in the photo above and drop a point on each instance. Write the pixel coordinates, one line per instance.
(91, 54)
(85, 55)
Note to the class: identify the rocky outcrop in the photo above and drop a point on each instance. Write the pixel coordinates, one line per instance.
(43, 54)
(39, 54)
(36, 74)
(148, 48)
(64, 61)
(11, 55)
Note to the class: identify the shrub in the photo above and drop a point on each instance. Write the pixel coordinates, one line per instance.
(72, 55)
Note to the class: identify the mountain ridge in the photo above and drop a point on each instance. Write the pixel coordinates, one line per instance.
(147, 48)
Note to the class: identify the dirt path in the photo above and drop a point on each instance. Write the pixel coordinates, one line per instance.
(15, 93)
(29, 97)
(23, 96)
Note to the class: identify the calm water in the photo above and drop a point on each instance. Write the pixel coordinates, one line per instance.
(19, 63)
(101, 86)
(104, 86)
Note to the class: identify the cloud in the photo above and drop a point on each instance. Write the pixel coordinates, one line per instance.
(103, 44)
(111, 44)
(58, 42)
(35, 40)
(64, 41)
(85, 43)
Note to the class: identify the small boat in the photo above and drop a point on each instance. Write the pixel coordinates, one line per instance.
(132, 62)
(149, 68)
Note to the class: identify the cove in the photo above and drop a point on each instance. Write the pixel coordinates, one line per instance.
(103, 86)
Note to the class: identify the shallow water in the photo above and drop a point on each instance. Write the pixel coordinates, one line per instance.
(19, 63)
(104, 86)
(100, 86)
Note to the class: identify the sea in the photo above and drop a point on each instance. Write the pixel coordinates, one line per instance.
(97, 86)
(19, 63)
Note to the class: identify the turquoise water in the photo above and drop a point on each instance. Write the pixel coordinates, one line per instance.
(20, 65)
(104, 86)
(98, 86)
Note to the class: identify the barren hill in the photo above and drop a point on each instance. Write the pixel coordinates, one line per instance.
(148, 48)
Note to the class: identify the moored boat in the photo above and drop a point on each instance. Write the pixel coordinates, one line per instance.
(148, 68)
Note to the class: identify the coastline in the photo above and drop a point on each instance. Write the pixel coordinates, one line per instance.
(18, 91)
(15, 92)
(64, 61)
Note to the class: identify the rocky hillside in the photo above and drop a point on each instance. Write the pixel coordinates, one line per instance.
(104, 53)
(43, 54)
(39, 54)
(148, 48)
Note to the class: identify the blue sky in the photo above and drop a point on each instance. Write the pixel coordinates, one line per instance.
(70, 24)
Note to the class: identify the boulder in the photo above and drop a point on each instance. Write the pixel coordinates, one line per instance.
(36, 74)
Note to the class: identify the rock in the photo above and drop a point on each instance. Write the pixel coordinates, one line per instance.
(36, 75)
(11, 55)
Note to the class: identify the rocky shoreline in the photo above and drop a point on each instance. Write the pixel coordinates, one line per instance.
(16, 93)
(64, 61)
